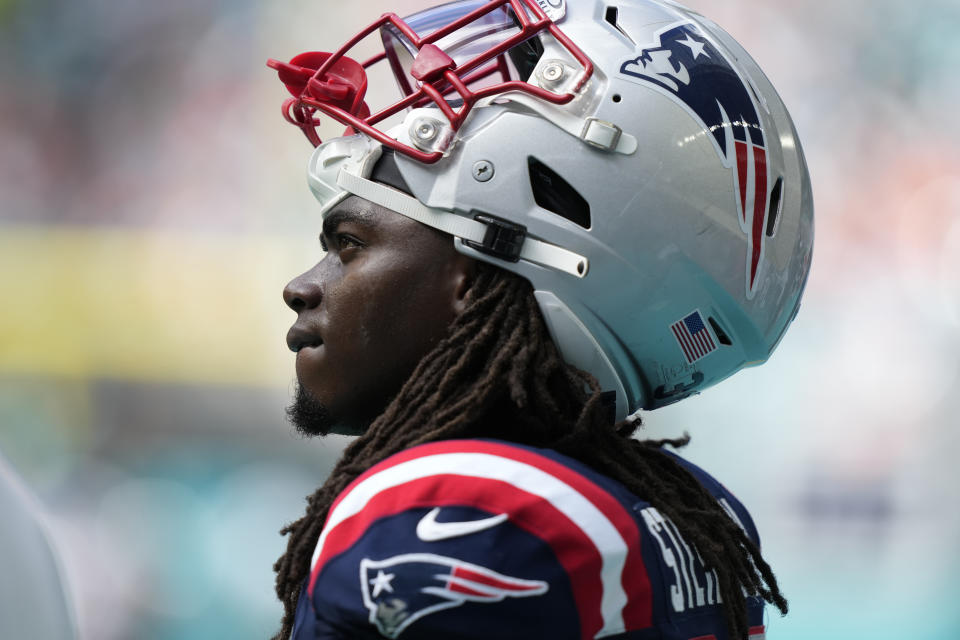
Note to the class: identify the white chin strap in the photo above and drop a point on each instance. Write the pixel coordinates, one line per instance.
(474, 231)
(339, 167)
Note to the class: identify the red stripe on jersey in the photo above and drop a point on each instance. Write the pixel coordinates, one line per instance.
(759, 212)
(638, 612)
(757, 633)
(570, 545)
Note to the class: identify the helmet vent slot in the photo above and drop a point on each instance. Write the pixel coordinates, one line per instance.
(776, 205)
(553, 193)
(610, 15)
(722, 336)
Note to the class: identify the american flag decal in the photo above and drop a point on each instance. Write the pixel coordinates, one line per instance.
(693, 337)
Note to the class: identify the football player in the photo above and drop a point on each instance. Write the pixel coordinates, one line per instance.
(572, 211)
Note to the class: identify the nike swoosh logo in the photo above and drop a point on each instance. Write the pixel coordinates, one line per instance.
(429, 530)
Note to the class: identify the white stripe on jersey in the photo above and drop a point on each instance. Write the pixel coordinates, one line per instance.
(588, 518)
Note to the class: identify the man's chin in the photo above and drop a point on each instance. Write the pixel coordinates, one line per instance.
(310, 417)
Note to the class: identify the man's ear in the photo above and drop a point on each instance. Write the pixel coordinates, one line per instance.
(464, 273)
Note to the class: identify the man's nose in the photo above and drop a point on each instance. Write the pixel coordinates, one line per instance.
(304, 291)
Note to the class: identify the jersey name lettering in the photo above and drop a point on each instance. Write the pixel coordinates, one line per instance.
(692, 585)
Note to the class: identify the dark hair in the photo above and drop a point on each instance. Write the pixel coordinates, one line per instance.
(497, 374)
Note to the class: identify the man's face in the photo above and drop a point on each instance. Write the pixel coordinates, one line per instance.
(380, 299)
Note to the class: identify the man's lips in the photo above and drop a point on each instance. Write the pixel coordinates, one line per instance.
(299, 338)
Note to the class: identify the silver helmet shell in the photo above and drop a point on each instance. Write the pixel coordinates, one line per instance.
(700, 226)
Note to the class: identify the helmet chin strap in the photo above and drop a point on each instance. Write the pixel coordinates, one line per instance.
(578, 346)
(473, 231)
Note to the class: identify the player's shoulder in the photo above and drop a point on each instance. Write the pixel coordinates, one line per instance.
(544, 473)
(464, 534)
(496, 476)
(539, 490)
(463, 466)
(727, 499)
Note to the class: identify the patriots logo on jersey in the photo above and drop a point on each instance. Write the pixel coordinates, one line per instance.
(687, 67)
(402, 589)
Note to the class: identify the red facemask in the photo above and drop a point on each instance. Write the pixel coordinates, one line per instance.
(447, 57)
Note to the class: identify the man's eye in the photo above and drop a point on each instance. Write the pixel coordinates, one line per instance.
(347, 242)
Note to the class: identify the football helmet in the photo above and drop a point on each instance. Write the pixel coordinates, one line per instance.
(626, 157)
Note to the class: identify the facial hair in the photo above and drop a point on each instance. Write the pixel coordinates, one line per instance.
(308, 415)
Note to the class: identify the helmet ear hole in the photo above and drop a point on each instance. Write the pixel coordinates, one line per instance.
(722, 336)
(776, 204)
(553, 193)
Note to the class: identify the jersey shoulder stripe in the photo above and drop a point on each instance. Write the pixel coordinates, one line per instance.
(593, 534)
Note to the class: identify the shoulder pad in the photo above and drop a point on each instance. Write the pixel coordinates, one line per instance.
(466, 522)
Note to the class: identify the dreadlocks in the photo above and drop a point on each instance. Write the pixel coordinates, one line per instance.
(497, 374)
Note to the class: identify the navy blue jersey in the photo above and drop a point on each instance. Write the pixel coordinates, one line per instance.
(487, 539)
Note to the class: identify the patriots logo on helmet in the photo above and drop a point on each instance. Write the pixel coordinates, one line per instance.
(687, 67)
(402, 589)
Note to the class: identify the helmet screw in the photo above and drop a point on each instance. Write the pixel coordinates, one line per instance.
(552, 72)
(482, 170)
(425, 129)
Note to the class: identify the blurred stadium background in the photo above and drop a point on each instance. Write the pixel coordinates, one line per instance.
(153, 204)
